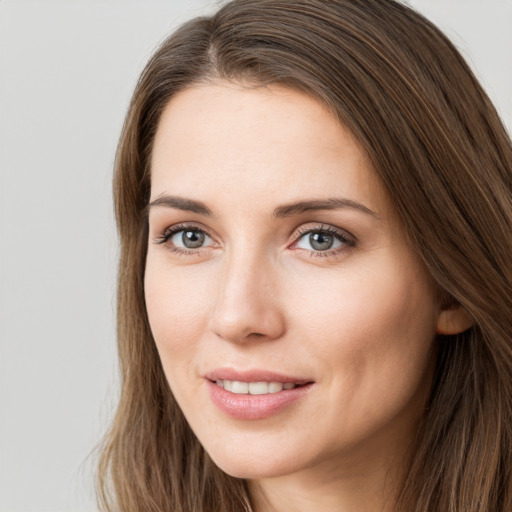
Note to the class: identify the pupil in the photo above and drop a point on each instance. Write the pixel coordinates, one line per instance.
(321, 241)
(193, 239)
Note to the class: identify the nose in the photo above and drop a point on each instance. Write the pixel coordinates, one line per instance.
(247, 303)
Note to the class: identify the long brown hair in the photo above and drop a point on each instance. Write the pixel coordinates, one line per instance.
(437, 143)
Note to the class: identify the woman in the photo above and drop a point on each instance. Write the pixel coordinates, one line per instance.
(314, 206)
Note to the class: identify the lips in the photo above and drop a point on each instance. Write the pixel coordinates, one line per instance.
(255, 375)
(254, 394)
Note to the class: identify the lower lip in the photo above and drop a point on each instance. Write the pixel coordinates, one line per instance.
(254, 407)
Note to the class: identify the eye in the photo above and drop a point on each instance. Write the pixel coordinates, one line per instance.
(318, 241)
(184, 238)
(324, 239)
(190, 239)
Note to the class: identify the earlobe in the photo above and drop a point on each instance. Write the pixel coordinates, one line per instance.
(453, 320)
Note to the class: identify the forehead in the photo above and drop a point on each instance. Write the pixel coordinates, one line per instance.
(224, 138)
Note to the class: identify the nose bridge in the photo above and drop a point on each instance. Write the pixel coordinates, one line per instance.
(247, 301)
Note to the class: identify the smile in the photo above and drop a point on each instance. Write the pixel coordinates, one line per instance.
(254, 388)
(255, 394)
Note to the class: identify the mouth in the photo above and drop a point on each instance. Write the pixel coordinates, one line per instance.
(256, 388)
(255, 394)
(254, 382)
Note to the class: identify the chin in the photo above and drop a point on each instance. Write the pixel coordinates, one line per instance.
(250, 467)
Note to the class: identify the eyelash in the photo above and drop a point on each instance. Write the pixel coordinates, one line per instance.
(169, 232)
(347, 240)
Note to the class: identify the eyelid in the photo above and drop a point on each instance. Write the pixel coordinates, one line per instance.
(325, 228)
(166, 234)
(348, 240)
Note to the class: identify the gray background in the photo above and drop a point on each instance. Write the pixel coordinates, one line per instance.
(67, 69)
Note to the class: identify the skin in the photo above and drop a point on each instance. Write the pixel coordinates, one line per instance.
(358, 321)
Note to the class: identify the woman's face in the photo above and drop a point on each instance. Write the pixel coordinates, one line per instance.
(275, 259)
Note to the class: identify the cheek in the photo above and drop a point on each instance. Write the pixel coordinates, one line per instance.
(178, 303)
(372, 331)
(375, 303)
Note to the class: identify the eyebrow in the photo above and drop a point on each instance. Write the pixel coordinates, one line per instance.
(286, 210)
(180, 203)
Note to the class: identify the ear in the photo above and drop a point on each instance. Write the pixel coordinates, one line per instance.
(453, 319)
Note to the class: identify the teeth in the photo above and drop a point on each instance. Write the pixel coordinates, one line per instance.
(254, 388)
(258, 388)
(240, 388)
(275, 387)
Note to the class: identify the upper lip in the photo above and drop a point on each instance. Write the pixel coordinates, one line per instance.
(254, 375)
